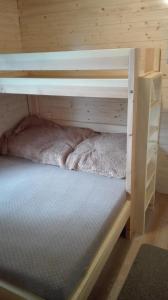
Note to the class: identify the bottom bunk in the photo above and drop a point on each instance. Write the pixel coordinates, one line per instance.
(57, 227)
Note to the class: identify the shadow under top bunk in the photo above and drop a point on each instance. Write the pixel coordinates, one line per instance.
(93, 73)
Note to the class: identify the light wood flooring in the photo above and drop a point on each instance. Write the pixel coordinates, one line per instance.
(115, 272)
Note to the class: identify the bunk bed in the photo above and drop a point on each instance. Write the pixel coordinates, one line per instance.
(132, 74)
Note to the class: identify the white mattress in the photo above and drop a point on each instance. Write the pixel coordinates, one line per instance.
(52, 222)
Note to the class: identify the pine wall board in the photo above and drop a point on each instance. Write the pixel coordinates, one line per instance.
(84, 112)
(12, 107)
(10, 39)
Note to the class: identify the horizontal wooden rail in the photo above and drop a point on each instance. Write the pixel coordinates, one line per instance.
(107, 59)
(100, 127)
(109, 88)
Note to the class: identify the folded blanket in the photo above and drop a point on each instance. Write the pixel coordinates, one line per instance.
(75, 148)
(103, 154)
(42, 141)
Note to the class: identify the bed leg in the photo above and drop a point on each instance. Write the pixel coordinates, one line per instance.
(128, 233)
(152, 203)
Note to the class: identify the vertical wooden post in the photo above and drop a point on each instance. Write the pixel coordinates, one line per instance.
(33, 104)
(131, 130)
(141, 143)
(152, 60)
(130, 111)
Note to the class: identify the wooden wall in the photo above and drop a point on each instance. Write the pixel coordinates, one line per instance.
(107, 115)
(12, 108)
(10, 39)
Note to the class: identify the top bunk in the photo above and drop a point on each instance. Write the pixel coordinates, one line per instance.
(106, 73)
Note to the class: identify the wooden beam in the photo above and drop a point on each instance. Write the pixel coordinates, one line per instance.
(107, 128)
(130, 115)
(116, 74)
(107, 59)
(152, 60)
(109, 88)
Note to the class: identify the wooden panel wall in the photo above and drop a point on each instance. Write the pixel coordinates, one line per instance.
(10, 39)
(76, 24)
(84, 112)
(12, 108)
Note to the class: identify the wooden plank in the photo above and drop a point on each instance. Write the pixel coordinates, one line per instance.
(78, 74)
(12, 109)
(152, 59)
(107, 59)
(130, 113)
(33, 104)
(108, 128)
(81, 109)
(9, 27)
(109, 88)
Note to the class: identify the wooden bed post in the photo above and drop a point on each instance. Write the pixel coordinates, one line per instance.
(131, 132)
(33, 104)
(147, 86)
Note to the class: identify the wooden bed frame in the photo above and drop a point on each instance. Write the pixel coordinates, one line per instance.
(132, 74)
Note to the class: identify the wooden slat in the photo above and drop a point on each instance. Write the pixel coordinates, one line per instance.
(130, 116)
(12, 109)
(10, 39)
(109, 88)
(108, 59)
(103, 114)
(142, 121)
(76, 74)
(152, 57)
(94, 126)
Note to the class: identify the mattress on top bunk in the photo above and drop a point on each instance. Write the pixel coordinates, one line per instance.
(52, 222)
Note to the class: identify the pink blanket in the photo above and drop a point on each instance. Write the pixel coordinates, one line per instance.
(43, 141)
(75, 148)
(103, 154)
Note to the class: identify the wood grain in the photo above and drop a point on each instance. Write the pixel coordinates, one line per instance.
(109, 88)
(12, 108)
(9, 27)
